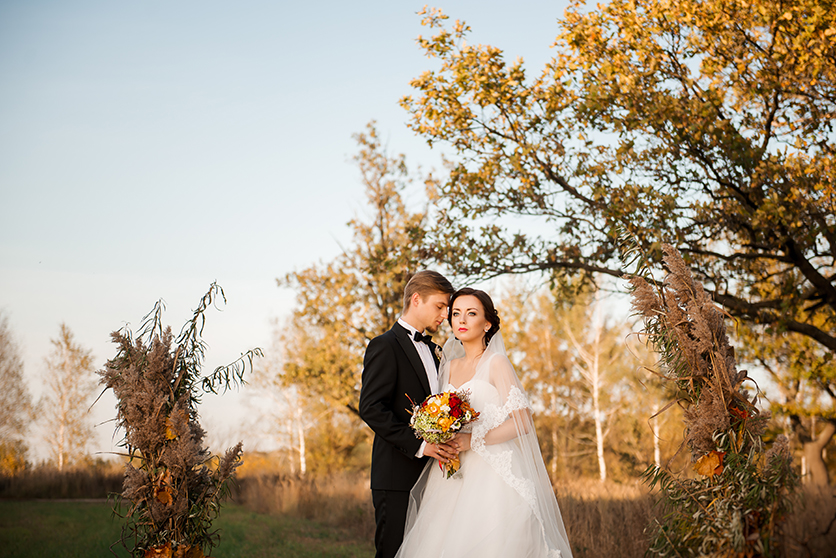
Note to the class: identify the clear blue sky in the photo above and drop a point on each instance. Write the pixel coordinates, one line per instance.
(149, 148)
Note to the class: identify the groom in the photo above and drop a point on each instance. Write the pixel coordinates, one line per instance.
(401, 365)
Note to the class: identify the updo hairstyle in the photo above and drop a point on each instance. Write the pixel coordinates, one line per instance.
(487, 305)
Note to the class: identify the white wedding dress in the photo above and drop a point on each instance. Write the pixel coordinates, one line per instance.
(500, 504)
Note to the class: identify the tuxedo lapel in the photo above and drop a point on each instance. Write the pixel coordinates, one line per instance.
(408, 347)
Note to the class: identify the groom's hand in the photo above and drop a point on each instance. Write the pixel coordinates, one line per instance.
(442, 452)
(461, 442)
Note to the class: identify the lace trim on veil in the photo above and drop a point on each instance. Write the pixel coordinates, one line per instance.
(501, 461)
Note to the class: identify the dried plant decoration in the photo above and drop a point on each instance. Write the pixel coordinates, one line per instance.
(741, 493)
(173, 487)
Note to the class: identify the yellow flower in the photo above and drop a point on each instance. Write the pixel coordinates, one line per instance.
(445, 423)
(432, 409)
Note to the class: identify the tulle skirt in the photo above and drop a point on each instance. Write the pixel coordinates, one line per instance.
(475, 514)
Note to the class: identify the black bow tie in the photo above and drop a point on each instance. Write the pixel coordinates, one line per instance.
(421, 338)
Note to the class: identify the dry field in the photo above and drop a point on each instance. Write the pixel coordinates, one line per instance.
(601, 519)
(609, 519)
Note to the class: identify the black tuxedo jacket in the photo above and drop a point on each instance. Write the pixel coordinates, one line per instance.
(392, 374)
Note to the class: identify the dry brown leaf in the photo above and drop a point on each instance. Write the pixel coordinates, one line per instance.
(710, 464)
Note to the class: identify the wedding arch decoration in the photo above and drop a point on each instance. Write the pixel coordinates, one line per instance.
(173, 486)
(741, 492)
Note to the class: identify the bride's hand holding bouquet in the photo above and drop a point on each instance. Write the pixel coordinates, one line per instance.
(439, 418)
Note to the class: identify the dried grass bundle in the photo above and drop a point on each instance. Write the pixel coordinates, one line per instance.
(172, 485)
(689, 331)
(736, 505)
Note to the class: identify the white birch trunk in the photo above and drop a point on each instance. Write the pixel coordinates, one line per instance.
(300, 426)
(596, 409)
(657, 449)
(593, 375)
(291, 448)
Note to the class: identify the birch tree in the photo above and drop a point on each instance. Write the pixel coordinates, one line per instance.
(804, 375)
(598, 348)
(579, 376)
(69, 386)
(533, 328)
(285, 421)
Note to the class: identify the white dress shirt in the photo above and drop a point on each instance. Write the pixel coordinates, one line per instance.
(429, 367)
(426, 357)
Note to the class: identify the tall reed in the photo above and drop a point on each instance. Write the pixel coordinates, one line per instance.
(173, 486)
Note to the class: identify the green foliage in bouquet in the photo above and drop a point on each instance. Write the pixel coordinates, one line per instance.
(736, 503)
(173, 486)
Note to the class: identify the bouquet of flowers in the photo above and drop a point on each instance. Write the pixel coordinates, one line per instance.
(439, 417)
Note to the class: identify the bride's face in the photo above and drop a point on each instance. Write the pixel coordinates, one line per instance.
(468, 319)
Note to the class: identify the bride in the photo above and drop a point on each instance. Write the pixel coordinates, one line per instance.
(500, 503)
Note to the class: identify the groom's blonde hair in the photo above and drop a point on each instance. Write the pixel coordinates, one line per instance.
(425, 283)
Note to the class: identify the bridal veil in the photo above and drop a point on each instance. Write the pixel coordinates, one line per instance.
(505, 438)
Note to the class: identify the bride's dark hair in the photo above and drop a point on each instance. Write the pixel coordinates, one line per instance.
(487, 305)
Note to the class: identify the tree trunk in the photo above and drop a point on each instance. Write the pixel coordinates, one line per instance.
(599, 430)
(60, 445)
(594, 378)
(554, 454)
(300, 425)
(657, 450)
(596, 399)
(813, 448)
(291, 447)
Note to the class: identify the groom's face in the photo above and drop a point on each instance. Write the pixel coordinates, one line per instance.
(431, 311)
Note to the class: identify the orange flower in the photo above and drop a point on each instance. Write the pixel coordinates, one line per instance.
(445, 423)
(739, 413)
(170, 433)
(451, 467)
(432, 409)
(159, 551)
(710, 464)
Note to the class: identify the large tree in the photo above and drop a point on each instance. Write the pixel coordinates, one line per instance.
(704, 123)
(707, 124)
(344, 303)
(15, 403)
(803, 373)
(69, 387)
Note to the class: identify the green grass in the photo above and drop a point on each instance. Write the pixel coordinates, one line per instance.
(67, 529)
